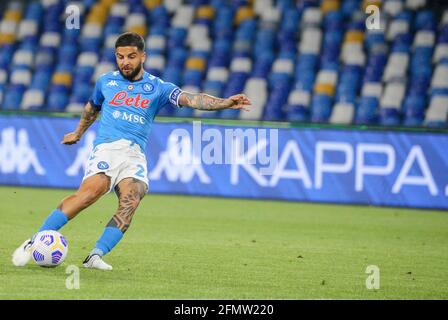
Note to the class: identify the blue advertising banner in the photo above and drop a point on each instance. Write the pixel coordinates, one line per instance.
(325, 165)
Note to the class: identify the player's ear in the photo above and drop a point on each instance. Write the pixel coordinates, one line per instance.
(143, 57)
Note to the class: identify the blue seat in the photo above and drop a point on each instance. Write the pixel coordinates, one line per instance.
(236, 85)
(183, 112)
(389, 116)
(58, 98)
(83, 74)
(192, 77)
(41, 79)
(425, 20)
(367, 112)
(177, 57)
(305, 81)
(290, 20)
(320, 108)
(81, 93)
(173, 74)
(90, 44)
(297, 113)
(159, 17)
(414, 105)
(13, 96)
(34, 11)
(177, 37)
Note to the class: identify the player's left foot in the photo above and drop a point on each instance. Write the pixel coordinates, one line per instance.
(96, 262)
(22, 254)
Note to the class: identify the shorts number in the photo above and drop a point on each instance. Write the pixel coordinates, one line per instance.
(140, 171)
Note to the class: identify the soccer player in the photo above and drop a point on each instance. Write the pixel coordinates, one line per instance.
(128, 100)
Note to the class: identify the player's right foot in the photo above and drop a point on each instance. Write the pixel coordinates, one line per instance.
(96, 262)
(22, 254)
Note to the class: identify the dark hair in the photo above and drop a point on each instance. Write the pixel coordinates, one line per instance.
(130, 39)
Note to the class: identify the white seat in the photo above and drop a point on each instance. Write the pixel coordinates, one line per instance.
(415, 4)
(156, 42)
(261, 5)
(327, 77)
(393, 7)
(283, 66)
(440, 77)
(372, 89)
(44, 58)
(256, 89)
(241, 65)
(21, 77)
(196, 33)
(50, 39)
(393, 95)
(172, 5)
(31, 98)
(119, 9)
(3, 76)
(87, 59)
(299, 97)
(444, 21)
(183, 17)
(110, 40)
(91, 30)
(342, 113)
(396, 27)
(438, 109)
(204, 45)
(311, 17)
(396, 67)
(154, 61)
(47, 3)
(354, 57)
(75, 107)
(27, 28)
(218, 74)
(311, 41)
(424, 39)
(103, 68)
(23, 57)
(352, 52)
(440, 52)
(15, 5)
(8, 27)
(271, 15)
(135, 19)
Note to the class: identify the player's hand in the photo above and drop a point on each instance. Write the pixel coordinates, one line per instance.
(71, 138)
(239, 102)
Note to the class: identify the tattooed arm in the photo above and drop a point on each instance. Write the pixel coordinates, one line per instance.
(88, 117)
(202, 101)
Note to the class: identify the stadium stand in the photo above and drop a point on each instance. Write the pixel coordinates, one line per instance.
(299, 61)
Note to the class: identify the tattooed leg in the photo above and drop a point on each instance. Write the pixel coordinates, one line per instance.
(130, 191)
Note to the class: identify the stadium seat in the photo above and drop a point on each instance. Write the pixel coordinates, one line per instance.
(437, 113)
(33, 99)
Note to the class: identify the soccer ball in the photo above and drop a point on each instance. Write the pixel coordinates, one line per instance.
(49, 248)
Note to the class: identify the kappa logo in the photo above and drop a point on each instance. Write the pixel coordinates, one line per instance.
(112, 83)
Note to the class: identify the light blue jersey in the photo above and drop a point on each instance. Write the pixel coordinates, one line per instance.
(128, 108)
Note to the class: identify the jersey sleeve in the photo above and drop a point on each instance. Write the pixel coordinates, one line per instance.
(169, 94)
(97, 97)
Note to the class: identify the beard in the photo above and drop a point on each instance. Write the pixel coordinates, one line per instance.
(133, 74)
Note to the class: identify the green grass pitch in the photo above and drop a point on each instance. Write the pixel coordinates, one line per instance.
(208, 248)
